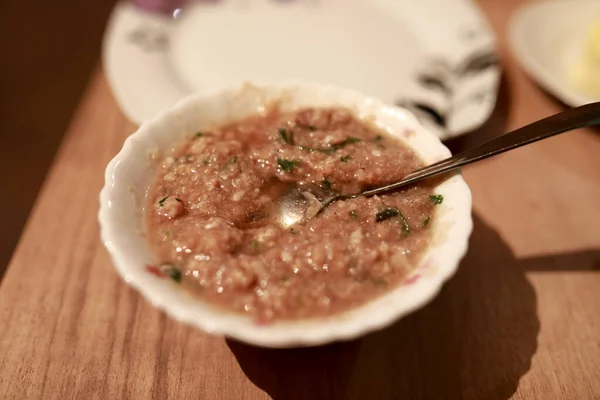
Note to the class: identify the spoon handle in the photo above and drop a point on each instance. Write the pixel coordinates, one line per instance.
(579, 117)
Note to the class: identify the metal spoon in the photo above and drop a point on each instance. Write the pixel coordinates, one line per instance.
(299, 204)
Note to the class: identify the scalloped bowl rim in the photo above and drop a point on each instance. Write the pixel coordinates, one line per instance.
(452, 223)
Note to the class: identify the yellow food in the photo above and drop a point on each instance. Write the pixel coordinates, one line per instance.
(586, 74)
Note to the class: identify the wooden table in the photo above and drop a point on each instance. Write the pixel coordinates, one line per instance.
(521, 319)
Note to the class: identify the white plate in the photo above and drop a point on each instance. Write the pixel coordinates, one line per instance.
(546, 38)
(436, 57)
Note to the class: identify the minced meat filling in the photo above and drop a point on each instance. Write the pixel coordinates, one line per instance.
(208, 215)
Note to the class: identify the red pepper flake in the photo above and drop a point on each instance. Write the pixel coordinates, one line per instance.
(155, 271)
(411, 280)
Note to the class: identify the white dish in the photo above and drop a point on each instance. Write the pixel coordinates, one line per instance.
(130, 173)
(434, 54)
(546, 38)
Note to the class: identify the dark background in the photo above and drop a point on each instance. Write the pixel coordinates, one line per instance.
(48, 51)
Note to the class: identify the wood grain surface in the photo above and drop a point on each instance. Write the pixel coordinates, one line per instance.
(520, 320)
(47, 58)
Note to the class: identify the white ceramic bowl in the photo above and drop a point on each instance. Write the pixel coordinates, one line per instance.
(130, 173)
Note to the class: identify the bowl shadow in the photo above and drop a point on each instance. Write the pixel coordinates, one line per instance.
(473, 341)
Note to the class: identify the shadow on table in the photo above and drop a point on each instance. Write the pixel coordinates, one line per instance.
(588, 260)
(474, 341)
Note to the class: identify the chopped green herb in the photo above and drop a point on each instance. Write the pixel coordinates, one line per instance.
(292, 231)
(286, 136)
(206, 160)
(178, 199)
(426, 222)
(378, 138)
(175, 274)
(306, 148)
(345, 159)
(354, 214)
(345, 142)
(405, 225)
(335, 147)
(255, 246)
(437, 199)
(379, 281)
(199, 134)
(391, 212)
(162, 201)
(167, 234)
(387, 213)
(256, 216)
(332, 148)
(284, 279)
(307, 127)
(326, 184)
(349, 140)
(230, 162)
(287, 165)
(172, 272)
(326, 150)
